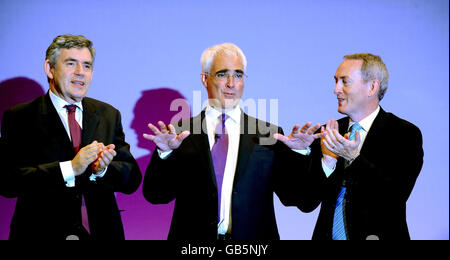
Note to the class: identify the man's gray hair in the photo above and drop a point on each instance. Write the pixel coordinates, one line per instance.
(68, 41)
(372, 67)
(228, 49)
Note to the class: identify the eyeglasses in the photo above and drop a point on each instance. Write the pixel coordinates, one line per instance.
(238, 76)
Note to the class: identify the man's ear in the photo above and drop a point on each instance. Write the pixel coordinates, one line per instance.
(374, 88)
(204, 77)
(48, 69)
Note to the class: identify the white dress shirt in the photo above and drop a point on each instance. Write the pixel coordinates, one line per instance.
(66, 167)
(233, 126)
(366, 124)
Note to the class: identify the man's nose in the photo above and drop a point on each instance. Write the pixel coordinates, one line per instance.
(230, 81)
(337, 89)
(79, 69)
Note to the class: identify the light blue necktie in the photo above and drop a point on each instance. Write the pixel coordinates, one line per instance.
(339, 232)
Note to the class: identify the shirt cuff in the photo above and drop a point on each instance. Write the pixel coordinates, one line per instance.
(94, 176)
(164, 155)
(327, 170)
(307, 151)
(68, 174)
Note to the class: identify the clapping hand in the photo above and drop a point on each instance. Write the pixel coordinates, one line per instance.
(104, 158)
(339, 145)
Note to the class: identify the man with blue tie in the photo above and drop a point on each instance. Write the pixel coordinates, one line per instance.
(365, 166)
(224, 166)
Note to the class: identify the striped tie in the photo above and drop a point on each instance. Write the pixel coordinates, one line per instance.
(339, 232)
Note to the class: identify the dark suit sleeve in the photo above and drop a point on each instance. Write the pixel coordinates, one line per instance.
(314, 181)
(123, 174)
(290, 173)
(159, 182)
(18, 174)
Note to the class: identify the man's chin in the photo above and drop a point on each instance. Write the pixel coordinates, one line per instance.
(225, 104)
(230, 103)
(341, 110)
(77, 98)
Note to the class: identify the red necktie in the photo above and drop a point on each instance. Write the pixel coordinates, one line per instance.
(75, 129)
(75, 132)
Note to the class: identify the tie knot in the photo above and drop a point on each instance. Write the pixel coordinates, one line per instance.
(224, 118)
(71, 108)
(220, 128)
(355, 127)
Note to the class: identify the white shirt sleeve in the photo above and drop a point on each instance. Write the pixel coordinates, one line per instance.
(307, 151)
(94, 176)
(327, 170)
(164, 155)
(68, 174)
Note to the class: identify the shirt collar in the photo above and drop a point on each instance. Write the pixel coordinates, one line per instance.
(367, 122)
(234, 114)
(60, 103)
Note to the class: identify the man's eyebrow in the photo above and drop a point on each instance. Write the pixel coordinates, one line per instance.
(222, 71)
(70, 59)
(73, 59)
(227, 70)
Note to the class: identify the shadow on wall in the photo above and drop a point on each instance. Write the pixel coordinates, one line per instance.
(142, 220)
(12, 92)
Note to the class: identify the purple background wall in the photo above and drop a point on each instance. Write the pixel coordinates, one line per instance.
(148, 52)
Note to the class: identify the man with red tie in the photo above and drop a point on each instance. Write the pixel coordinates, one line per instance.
(224, 166)
(66, 155)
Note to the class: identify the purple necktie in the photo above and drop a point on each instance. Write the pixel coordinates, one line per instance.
(219, 155)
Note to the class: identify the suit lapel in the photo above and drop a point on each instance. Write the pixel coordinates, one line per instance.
(379, 124)
(201, 143)
(90, 123)
(246, 144)
(343, 126)
(52, 126)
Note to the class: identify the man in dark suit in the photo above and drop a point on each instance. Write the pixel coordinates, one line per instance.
(366, 165)
(55, 154)
(223, 176)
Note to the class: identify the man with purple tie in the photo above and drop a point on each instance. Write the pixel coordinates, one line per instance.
(64, 155)
(223, 166)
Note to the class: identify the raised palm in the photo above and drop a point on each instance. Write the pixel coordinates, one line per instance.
(300, 139)
(166, 137)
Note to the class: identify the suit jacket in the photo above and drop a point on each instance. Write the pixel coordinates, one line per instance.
(187, 175)
(34, 142)
(379, 181)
